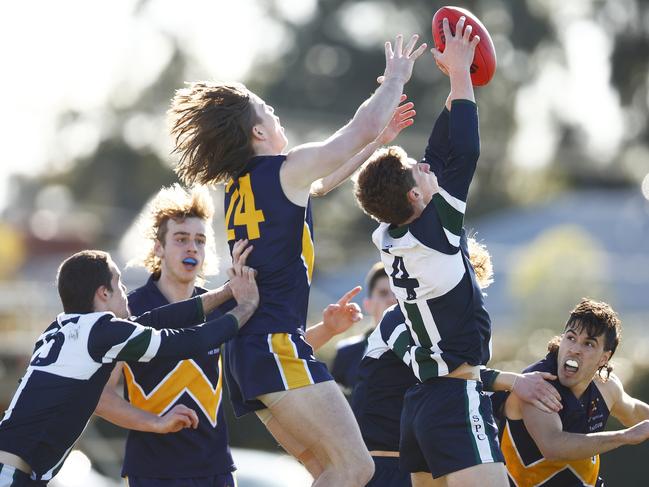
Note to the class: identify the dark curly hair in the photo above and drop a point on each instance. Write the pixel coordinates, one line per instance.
(212, 128)
(596, 318)
(382, 186)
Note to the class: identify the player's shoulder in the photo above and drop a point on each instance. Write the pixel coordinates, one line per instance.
(546, 364)
(610, 387)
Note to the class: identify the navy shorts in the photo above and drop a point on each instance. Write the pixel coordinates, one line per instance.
(446, 426)
(388, 474)
(221, 480)
(12, 477)
(260, 364)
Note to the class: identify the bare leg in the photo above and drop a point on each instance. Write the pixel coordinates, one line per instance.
(319, 418)
(487, 475)
(425, 479)
(293, 447)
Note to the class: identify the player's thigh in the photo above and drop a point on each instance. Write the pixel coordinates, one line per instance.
(487, 475)
(318, 417)
(425, 479)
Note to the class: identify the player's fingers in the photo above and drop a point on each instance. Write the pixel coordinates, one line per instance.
(405, 123)
(245, 254)
(403, 98)
(236, 250)
(380, 79)
(406, 115)
(420, 50)
(406, 106)
(447, 29)
(349, 295)
(230, 273)
(475, 40)
(411, 45)
(398, 45)
(459, 27)
(467, 33)
(389, 53)
(547, 375)
(251, 274)
(539, 405)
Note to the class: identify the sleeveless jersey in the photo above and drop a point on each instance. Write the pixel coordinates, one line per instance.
(428, 261)
(71, 364)
(525, 463)
(256, 208)
(158, 386)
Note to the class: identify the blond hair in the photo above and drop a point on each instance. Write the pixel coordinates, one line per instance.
(481, 262)
(175, 203)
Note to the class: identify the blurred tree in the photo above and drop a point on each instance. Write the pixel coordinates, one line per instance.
(552, 273)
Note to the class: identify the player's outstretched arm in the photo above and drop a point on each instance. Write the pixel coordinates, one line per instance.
(402, 118)
(309, 162)
(532, 387)
(556, 444)
(628, 410)
(114, 408)
(336, 319)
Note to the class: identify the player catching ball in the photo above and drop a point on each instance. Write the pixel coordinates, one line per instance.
(447, 426)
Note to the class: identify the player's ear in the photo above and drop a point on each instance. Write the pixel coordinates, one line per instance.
(604, 359)
(158, 249)
(367, 306)
(102, 295)
(258, 132)
(413, 195)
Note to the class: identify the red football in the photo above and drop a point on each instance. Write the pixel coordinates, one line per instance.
(484, 61)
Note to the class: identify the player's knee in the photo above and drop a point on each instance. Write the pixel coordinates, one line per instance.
(362, 471)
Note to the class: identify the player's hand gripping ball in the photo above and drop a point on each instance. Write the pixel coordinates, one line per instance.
(484, 60)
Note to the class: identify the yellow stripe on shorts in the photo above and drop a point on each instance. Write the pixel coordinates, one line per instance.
(294, 370)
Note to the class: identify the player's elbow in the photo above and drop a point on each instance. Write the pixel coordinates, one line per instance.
(550, 451)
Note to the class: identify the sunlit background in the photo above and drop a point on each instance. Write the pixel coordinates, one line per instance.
(560, 196)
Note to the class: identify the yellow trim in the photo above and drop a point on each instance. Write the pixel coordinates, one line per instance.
(187, 376)
(294, 370)
(308, 252)
(586, 470)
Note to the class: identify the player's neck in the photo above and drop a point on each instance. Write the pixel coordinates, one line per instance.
(173, 289)
(579, 389)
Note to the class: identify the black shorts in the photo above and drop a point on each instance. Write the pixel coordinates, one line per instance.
(446, 426)
(388, 474)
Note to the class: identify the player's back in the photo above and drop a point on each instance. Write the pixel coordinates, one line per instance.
(57, 395)
(525, 462)
(281, 232)
(435, 285)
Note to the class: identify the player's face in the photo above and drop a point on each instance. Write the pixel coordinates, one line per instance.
(117, 302)
(579, 357)
(183, 252)
(380, 299)
(425, 179)
(269, 125)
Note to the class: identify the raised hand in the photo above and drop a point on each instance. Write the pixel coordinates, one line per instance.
(339, 317)
(400, 61)
(534, 388)
(176, 419)
(459, 50)
(402, 118)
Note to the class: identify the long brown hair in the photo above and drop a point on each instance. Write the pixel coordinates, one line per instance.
(212, 128)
